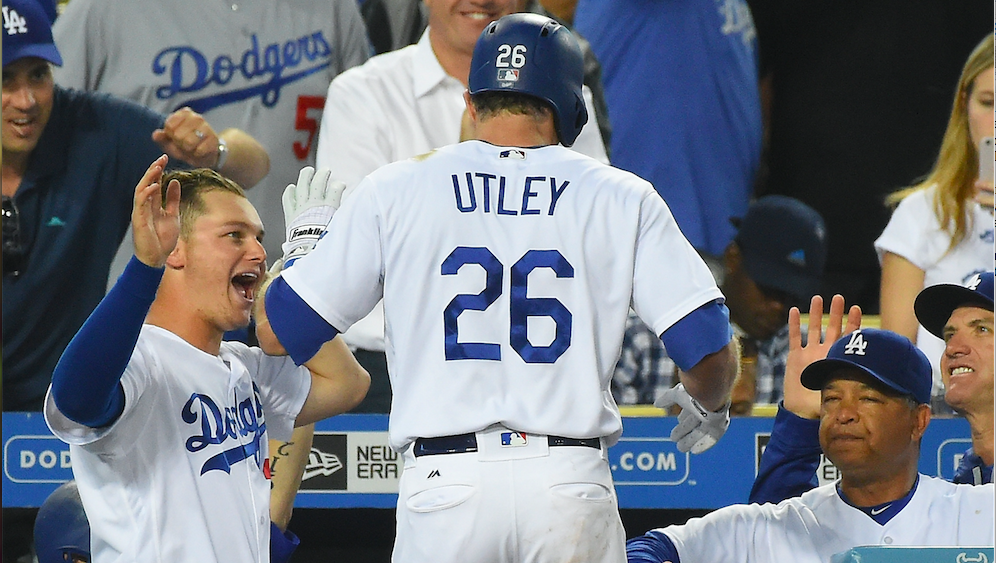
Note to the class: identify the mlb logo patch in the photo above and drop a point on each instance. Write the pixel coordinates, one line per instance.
(513, 439)
(508, 75)
(513, 153)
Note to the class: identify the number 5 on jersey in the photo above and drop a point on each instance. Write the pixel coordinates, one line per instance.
(521, 307)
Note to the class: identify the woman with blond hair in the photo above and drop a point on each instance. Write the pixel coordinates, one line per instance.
(942, 228)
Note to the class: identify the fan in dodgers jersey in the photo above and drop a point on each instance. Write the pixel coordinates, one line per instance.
(507, 266)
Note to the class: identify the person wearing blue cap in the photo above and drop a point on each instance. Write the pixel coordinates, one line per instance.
(963, 317)
(70, 162)
(62, 531)
(874, 390)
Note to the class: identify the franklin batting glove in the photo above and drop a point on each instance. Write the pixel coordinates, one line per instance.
(697, 429)
(308, 207)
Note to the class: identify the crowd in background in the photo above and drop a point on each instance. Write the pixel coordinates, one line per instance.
(803, 148)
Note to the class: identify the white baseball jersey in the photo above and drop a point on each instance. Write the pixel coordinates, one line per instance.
(396, 106)
(507, 275)
(813, 527)
(260, 66)
(183, 474)
(915, 233)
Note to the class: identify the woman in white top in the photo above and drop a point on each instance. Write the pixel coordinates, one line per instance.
(942, 229)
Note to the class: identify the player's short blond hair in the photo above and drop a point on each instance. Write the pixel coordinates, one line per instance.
(193, 185)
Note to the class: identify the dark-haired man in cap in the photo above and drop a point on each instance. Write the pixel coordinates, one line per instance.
(775, 261)
(963, 317)
(875, 407)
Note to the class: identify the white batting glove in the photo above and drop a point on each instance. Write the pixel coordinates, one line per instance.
(697, 429)
(308, 207)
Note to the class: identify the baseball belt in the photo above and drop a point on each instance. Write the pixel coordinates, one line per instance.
(465, 443)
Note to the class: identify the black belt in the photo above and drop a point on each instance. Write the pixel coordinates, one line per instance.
(465, 443)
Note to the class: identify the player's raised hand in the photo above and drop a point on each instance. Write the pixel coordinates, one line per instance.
(156, 226)
(797, 399)
(187, 136)
(697, 429)
(308, 207)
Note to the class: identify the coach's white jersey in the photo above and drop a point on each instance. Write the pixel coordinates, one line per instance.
(507, 275)
(818, 524)
(183, 474)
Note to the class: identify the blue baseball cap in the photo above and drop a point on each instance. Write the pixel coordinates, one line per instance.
(934, 304)
(27, 32)
(888, 357)
(784, 245)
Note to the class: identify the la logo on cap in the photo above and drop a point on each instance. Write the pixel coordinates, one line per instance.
(856, 345)
(973, 284)
(13, 22)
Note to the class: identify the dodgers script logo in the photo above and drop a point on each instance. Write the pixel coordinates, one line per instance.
(217, 426)
(189, 70)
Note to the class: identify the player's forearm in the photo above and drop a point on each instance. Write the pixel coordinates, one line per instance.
(711, 380)
(86, 381)
(247, 162)
(338, 383)
(287, 463)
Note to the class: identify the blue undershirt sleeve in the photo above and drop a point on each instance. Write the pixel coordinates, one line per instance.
(298, 327)
(702, 332)
(282, 544)
(788, 465)
(86, 383)
(652, 547)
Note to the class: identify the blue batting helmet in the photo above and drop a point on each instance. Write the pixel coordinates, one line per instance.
(62, 532)
(534, 55)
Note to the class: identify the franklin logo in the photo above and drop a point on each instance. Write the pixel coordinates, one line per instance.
(977, 557)
(508, 75)
(310, 231)
(856, 345)
(13, 22)
(190, 70)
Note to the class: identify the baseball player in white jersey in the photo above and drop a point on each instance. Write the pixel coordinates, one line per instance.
(263, 67)
(507, 266)
(167, 424)
(403, 104)
(875, 406)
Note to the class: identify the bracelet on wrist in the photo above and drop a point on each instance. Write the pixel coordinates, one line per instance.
(222, 155)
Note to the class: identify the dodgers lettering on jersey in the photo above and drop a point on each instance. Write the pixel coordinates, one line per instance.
(217, 426)
(492, 188)
(189, 70)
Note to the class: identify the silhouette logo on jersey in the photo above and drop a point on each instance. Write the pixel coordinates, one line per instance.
(508, 75)
(218, 426)
(513, 439)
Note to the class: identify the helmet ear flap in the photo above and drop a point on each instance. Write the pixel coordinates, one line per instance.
(580, 113)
